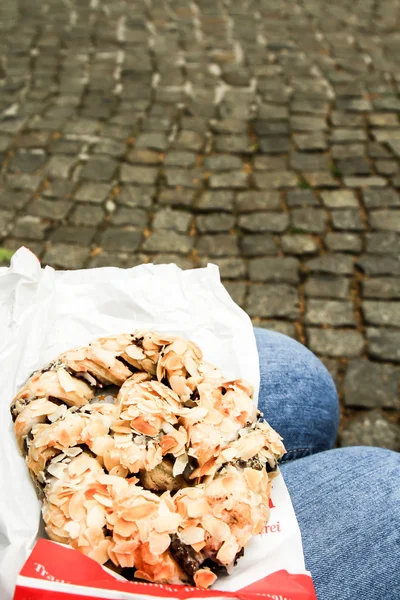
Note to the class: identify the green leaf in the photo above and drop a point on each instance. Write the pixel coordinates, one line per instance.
(5, 256)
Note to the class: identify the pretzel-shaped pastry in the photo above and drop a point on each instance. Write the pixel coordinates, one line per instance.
(167, 477)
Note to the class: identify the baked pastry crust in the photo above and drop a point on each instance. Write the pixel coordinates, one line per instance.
(145, 456)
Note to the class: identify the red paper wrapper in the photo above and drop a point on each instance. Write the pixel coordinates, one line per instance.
(56, 572)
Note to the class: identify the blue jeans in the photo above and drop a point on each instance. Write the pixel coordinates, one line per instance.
(347, 501)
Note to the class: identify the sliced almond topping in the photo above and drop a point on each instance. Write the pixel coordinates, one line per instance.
(95, 517)
(178, 384)
(103, 505)
(142, 575)
(192, 366)
(104, 500)
(198, 413)
(215, 488)
(139, 511)
(142, 426)
(100, 553)
(159, 543)
(59, 413)
(135, 352)
(76, 508)
(218, 529)
(66, 381)
(72, 452)
(172, 362)
(125, 528)
(253, 478)
(198, 508)
(57, 469)
(167, 443)
(104, 357)
(120, 471)
(228, 551)
(82, 463)
(179, 465)
(203, 578)
(73, 529)
(167, 525)
(126, 561)
(178, 346)
(192, 535)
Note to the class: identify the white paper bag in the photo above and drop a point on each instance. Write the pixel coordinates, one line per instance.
(44, 312)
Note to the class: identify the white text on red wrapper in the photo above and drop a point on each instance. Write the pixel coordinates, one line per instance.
(44, 573)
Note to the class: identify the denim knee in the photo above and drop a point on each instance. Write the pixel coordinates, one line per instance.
(297, 394)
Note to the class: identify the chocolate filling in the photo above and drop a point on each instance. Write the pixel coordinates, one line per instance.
(188, 559)
(190, 467)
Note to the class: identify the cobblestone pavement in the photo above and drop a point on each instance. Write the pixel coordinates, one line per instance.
(260, 135)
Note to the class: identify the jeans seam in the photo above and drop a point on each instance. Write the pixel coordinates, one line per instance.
(310, 450)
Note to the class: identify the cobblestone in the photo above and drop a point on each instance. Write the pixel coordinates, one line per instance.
(371, 429)
(381, 287)
(214, 201)
(76, 235)
(121, 239)
(261, 136)
(28, 162)
(229, 179)
(177, 220)
(301, 198)
(384, 343)
(179, 158)
(50, 209)
(339, 199)
(234, 268)
(222, 162)
(327, 287)
(310, 220)
(274, 269)
(86, 214)
(329, 312)
(330, 342)
(332, 263)
(276, 180)
(218, 245)
(387, 264)
(168, 241)
(381, 313)
(264, 221)
(130, 216)
(371, 385)
(258, 245)
(272, 300)
(237, 144)
(215, 222)
(343, 242)
(58, 188)
(139, 175)
(6, 218)
(237, 290)
(27, 227)
(66, 256)
(60, 166)
(258, 201)
(385, 220)
(93, 192)
(299, 244)
(347, 219)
